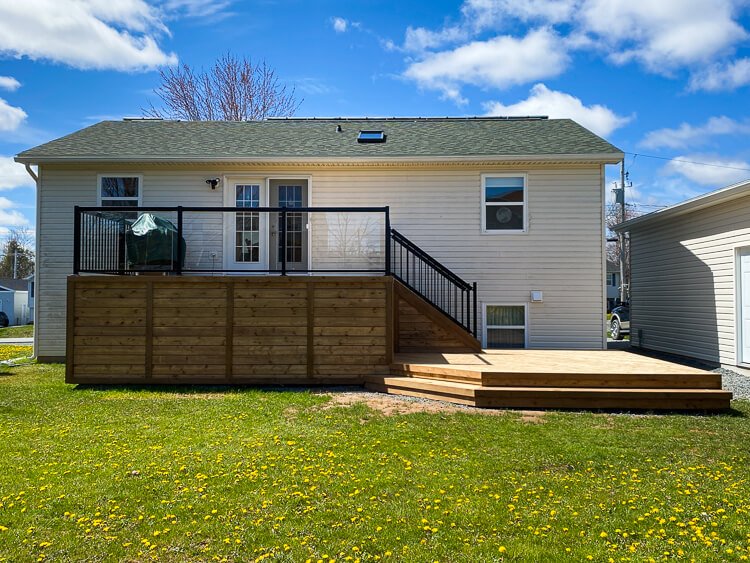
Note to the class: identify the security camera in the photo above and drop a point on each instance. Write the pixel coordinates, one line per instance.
(213, 182)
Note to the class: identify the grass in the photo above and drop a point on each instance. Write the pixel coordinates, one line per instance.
(23, 331)
(221, 474)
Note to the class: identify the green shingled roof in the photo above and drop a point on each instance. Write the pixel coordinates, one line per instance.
(319, 138)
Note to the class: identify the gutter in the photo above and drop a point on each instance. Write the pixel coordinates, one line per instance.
(607, 158)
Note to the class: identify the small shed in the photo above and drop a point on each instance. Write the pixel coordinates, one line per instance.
(690, 277)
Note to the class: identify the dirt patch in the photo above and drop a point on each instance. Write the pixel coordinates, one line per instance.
(533, 417)
(390, 405)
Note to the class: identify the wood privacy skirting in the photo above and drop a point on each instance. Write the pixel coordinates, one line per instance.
(228, 329)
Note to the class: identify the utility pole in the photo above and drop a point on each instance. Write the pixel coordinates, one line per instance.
(621, 200)
(15, 264)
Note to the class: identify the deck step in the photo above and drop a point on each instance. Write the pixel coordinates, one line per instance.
(552, 397)
(491, 376)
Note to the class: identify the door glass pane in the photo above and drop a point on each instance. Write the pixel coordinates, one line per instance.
(247, 225)
(291, 196)
(505, 315)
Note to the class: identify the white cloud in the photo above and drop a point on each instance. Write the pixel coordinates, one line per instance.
(543, 101)
(688, 135)
(339, 24)
(491, 13)
(10, 217)
(722, 76)
(721, 172)
(86, 34)
(420, 39)
(500, 62)
(198, 8)
(9, 83)
(13, 175)
(663, 36)
(10, 116)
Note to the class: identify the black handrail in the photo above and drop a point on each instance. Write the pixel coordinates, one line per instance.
(433, 282)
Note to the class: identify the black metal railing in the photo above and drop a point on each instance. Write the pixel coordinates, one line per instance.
(350, 240)
(344, 240)
(433, 282)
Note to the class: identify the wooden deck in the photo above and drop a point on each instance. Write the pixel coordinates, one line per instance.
(342, 329)
(554, 379)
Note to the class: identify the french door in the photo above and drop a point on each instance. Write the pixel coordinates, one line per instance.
(253, 239)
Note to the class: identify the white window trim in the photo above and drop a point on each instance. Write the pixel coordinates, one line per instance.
(525, 327)
(483, 203)
(99, 177)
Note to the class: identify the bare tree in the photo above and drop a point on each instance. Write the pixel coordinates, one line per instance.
(612, 218)
(17, 254)
(232, 89)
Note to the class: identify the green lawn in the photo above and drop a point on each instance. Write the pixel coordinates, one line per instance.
(23, 331)
(240, 474)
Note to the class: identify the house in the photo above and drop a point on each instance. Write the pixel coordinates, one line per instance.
(14, 300)
(613, 284)
(30, 300)
(690, 277)
(408, 254)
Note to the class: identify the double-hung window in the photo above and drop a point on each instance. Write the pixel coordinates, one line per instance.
(120, 191)
(505, 326)
(504, 203)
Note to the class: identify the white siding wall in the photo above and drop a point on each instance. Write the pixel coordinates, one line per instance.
(683, 281)
(439, 209)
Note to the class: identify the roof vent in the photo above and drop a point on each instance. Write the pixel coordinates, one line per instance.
(371, 136)
(144, 118)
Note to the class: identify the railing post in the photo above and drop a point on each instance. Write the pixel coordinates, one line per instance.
(178, 267)
(474, 291)
(76, 240)
(387, 241)
(282, 230)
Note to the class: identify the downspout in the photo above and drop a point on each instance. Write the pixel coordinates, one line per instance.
(36, 245)
(32, 174)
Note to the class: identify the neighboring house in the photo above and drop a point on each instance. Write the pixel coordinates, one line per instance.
(690, 277)
(513, 204)
(14, 300)
(30, 301)
(613, 284)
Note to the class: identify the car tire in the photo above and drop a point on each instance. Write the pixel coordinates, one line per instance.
(615, 330)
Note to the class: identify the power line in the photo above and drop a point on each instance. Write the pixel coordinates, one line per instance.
(687, 161)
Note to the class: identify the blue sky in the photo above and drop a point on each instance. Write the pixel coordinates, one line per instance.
(667, 78)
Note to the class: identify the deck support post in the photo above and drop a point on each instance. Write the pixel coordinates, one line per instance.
(178, 267)
(282, 232)
(76, 240)
(387, 241)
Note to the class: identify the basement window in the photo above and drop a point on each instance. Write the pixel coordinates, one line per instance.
(371, 137)
(505, 326)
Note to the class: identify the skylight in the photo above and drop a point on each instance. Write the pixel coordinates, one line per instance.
(371, 137)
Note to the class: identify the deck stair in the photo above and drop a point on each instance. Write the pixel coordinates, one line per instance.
(553, 379)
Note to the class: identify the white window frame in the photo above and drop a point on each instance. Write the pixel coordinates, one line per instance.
(99, 178)
(525, 327)
(484, 204)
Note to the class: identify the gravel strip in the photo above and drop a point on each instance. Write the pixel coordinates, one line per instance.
(735, 382)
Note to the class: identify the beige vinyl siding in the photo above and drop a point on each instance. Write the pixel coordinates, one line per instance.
(683, 281)
(438, 208)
